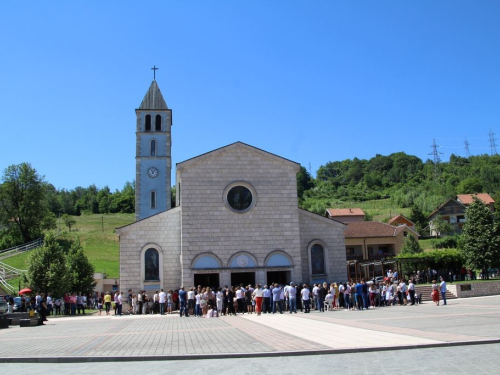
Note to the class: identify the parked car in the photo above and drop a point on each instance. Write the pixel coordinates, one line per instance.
(379, 279)
(3, 307)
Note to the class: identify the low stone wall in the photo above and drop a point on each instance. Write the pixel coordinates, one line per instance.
(485, 288)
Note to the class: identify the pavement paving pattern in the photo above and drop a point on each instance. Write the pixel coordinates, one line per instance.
(171, 337)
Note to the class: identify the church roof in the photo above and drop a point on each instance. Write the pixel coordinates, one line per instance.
(209, 154)
(153, 98)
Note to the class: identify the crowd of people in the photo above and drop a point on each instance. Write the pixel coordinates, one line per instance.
(242, 299)
(273, 299)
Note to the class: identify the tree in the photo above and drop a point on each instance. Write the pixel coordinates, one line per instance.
(304, 181)
(47, 267)
(79, 270)
(441, 226)
(69, 221)
(22, 201)
(480, 241)
(470, 186)
(411, 246)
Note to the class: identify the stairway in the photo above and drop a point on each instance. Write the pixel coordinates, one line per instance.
(426, 290)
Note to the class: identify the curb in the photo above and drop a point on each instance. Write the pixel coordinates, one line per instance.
(238, 355)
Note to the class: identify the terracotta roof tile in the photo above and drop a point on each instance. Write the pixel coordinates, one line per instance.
(468, 198)
(370, 229)
(345, 212)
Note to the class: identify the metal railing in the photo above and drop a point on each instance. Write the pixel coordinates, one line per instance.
(6, 286)
(8, 272)
(21, 248)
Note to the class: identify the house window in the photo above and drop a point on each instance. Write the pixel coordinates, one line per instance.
(153, 199)
(153, 148)
(148, 123)
(151, 265)
(405, 233)
(158, 123)
(317, 260)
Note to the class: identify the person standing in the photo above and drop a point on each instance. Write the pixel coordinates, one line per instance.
(162, 299)
(257, 295)
(107, 302)
(411, 291)
(266, 302)
(276, 299)
(305, 294)
(435, 293)
(321, 298)
(442, 288)
(42, 306)
(10, 304)
(183, 302)
(139, 302)
(119, 302)
(292, 298)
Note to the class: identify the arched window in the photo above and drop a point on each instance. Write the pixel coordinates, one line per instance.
(153, 199)
(158, 123)
(151, 265)
(153, 148)
(148, 123)
(317, 260)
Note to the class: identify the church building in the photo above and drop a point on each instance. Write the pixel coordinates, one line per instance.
(236, 218)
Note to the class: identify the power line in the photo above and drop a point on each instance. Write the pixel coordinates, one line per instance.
(493, 145)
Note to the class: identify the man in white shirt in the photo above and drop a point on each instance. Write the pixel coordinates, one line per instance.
(292, 298)
(266, 304)
(162, 298)
(315, 295)
(305, 293)
(402, 285)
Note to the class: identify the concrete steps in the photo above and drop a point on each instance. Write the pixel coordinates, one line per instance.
(426, 290)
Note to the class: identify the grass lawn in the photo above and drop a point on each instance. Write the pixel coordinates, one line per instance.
(98, 238)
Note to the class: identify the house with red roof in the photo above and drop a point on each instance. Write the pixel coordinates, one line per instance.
(372, 241)
(467, 199)
(401, 220)
(345, 215)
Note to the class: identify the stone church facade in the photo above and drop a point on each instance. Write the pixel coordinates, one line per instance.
(236, 221)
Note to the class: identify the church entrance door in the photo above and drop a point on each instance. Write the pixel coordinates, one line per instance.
(280, 277)
(244, 278)
(206, 279)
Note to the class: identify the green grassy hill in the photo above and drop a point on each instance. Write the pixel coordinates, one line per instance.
(98, 238)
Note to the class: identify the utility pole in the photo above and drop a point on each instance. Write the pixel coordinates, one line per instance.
(436, 158)
(102, 223)
(493, 145)
(467, 153)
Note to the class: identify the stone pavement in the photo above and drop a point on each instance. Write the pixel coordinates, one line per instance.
(463, 360)
(129, 338)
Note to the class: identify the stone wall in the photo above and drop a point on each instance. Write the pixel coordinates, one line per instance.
(209, 226)
(161, 232)
(328, 233)
(486, 288)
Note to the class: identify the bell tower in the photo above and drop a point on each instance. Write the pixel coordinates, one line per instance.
(153, 155)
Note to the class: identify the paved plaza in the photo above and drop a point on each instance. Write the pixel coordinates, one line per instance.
(380, 333)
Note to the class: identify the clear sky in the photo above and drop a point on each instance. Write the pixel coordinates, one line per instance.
(312, 81)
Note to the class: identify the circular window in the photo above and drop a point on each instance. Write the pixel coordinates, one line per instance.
(239, 197)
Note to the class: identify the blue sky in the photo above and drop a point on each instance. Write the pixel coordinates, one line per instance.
(312, 81)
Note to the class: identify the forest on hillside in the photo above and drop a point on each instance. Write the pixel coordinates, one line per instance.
(405, 179)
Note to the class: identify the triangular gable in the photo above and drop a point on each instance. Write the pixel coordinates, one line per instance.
(448, 202)
(221, 150)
